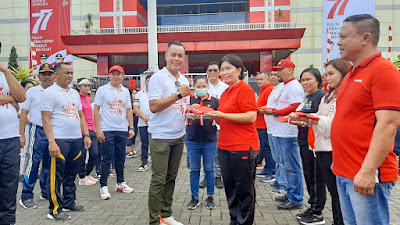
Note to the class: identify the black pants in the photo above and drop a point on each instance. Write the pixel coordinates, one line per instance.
(324, 160)
(114, 140)
(63, 170)
(314, 180)
(94, 157)
(238, 173)
(9, 170)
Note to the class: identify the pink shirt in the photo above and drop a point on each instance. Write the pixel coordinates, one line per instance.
(87, 111)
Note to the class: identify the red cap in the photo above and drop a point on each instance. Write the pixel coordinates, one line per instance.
(284, 63)
(117, 68)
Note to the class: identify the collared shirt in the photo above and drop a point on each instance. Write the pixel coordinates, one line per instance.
(9, 122)
(32, 104)
(262, 101)
(373, 85)
(142, 100)
(113, 104)
(238, 136)
(87, 111)
(64, 106)
(217, 90)
(169, 123)
(292, 93)
(272, 102)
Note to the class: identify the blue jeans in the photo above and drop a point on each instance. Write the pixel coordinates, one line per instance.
(290, 150)
(265, 151)
(280, 172)
(144, 138)
(195, 151)
(362, 209)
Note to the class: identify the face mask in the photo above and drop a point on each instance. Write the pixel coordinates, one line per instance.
(201, 92)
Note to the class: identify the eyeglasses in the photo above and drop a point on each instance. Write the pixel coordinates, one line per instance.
(177, 84)
(212, 70)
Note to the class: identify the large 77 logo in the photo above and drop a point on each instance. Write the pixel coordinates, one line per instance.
(44, 17)
(334, 7)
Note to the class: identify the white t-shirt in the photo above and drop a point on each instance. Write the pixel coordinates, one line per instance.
(292, 93)
(169, 123)
(272, 102)
(64, 106)
(113, 104)
(216, 91)
(142, 100)
(9, 122)
(33, 103)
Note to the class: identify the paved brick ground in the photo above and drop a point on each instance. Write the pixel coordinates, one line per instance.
(132, 208)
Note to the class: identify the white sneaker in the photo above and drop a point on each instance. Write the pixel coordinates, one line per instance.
(170, 221)
(105, 195)
(86, 181)
(123, 187)
(92, 178)
(142, 168)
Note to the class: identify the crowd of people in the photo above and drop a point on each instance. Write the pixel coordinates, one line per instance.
(341, 140)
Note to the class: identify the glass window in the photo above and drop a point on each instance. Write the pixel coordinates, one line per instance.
(203, 9)
(182, 10)
(194, 9)
(160, 11)
(239, 7)
(225, 7)
(169, 10)
(212, 8)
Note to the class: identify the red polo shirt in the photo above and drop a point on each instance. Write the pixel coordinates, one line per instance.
(236, 136)
(262, 101)
(373, 85)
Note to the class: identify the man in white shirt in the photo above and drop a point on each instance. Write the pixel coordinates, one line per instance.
(168, 99)
(37, 142)
(286, 136)
(142, 110)
(11, 92)
(112, 129)
(63, 123)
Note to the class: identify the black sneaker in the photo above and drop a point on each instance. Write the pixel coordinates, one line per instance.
(313, 219)
(203, 184)
(75, 208)
(288, 205)
(282, 198)
(27, 203)
(305, 213)
(61, 217)
(193, 204)
(219, 183)
(210, 203)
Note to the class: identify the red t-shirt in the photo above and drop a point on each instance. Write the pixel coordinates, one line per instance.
(373, 85)
(236, 136)
(262, 101)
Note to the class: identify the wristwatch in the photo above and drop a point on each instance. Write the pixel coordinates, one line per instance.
(274, 113)
(86, 135)
(130, 128)
(179, 95)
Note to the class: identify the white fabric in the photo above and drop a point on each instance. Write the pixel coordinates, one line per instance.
(32, 104)
(322, 131)
(169, 123)
(217, 90)
(64, 106)
(9, 122)
(113, 104)
(142, 100)
(292, 93)
(272, 102)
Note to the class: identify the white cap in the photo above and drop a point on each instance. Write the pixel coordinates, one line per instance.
(84, 81)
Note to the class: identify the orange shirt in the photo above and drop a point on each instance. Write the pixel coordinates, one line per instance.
(236, 136)
(373, 85)
(262, 101)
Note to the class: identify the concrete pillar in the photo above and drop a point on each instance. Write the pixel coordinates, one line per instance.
(266, 61)
(185, 66)
(103, 64)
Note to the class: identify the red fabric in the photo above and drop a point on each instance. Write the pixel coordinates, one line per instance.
(200, 110)
(309, 116)
(262, 101)
(286, 111)
(373, 85)
(311, 137)
(236, 136)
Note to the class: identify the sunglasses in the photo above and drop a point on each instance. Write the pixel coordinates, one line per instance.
(212, 70)
(177, 84)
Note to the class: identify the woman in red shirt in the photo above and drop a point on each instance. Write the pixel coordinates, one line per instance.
(238, 140)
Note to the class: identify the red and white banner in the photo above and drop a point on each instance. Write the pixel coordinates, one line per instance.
(334, 12)
(49, 20)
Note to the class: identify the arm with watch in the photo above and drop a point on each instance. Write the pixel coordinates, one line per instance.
(129, 115)
(159, 105)
(84, 128)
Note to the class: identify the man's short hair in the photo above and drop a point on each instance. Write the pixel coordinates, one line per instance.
(57, 67)
(213, 63)
(365, 23)
(175, 43)
(265, 73)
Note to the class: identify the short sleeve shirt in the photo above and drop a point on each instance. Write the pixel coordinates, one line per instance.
(113, 104)
(272, 102)
(142, 100)
(373, 85)
(169, 123)
(262, 101)
(217, 90)
(237, 136)
(64, 106)
(8, 113)
(33, 104)
(292, 93)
